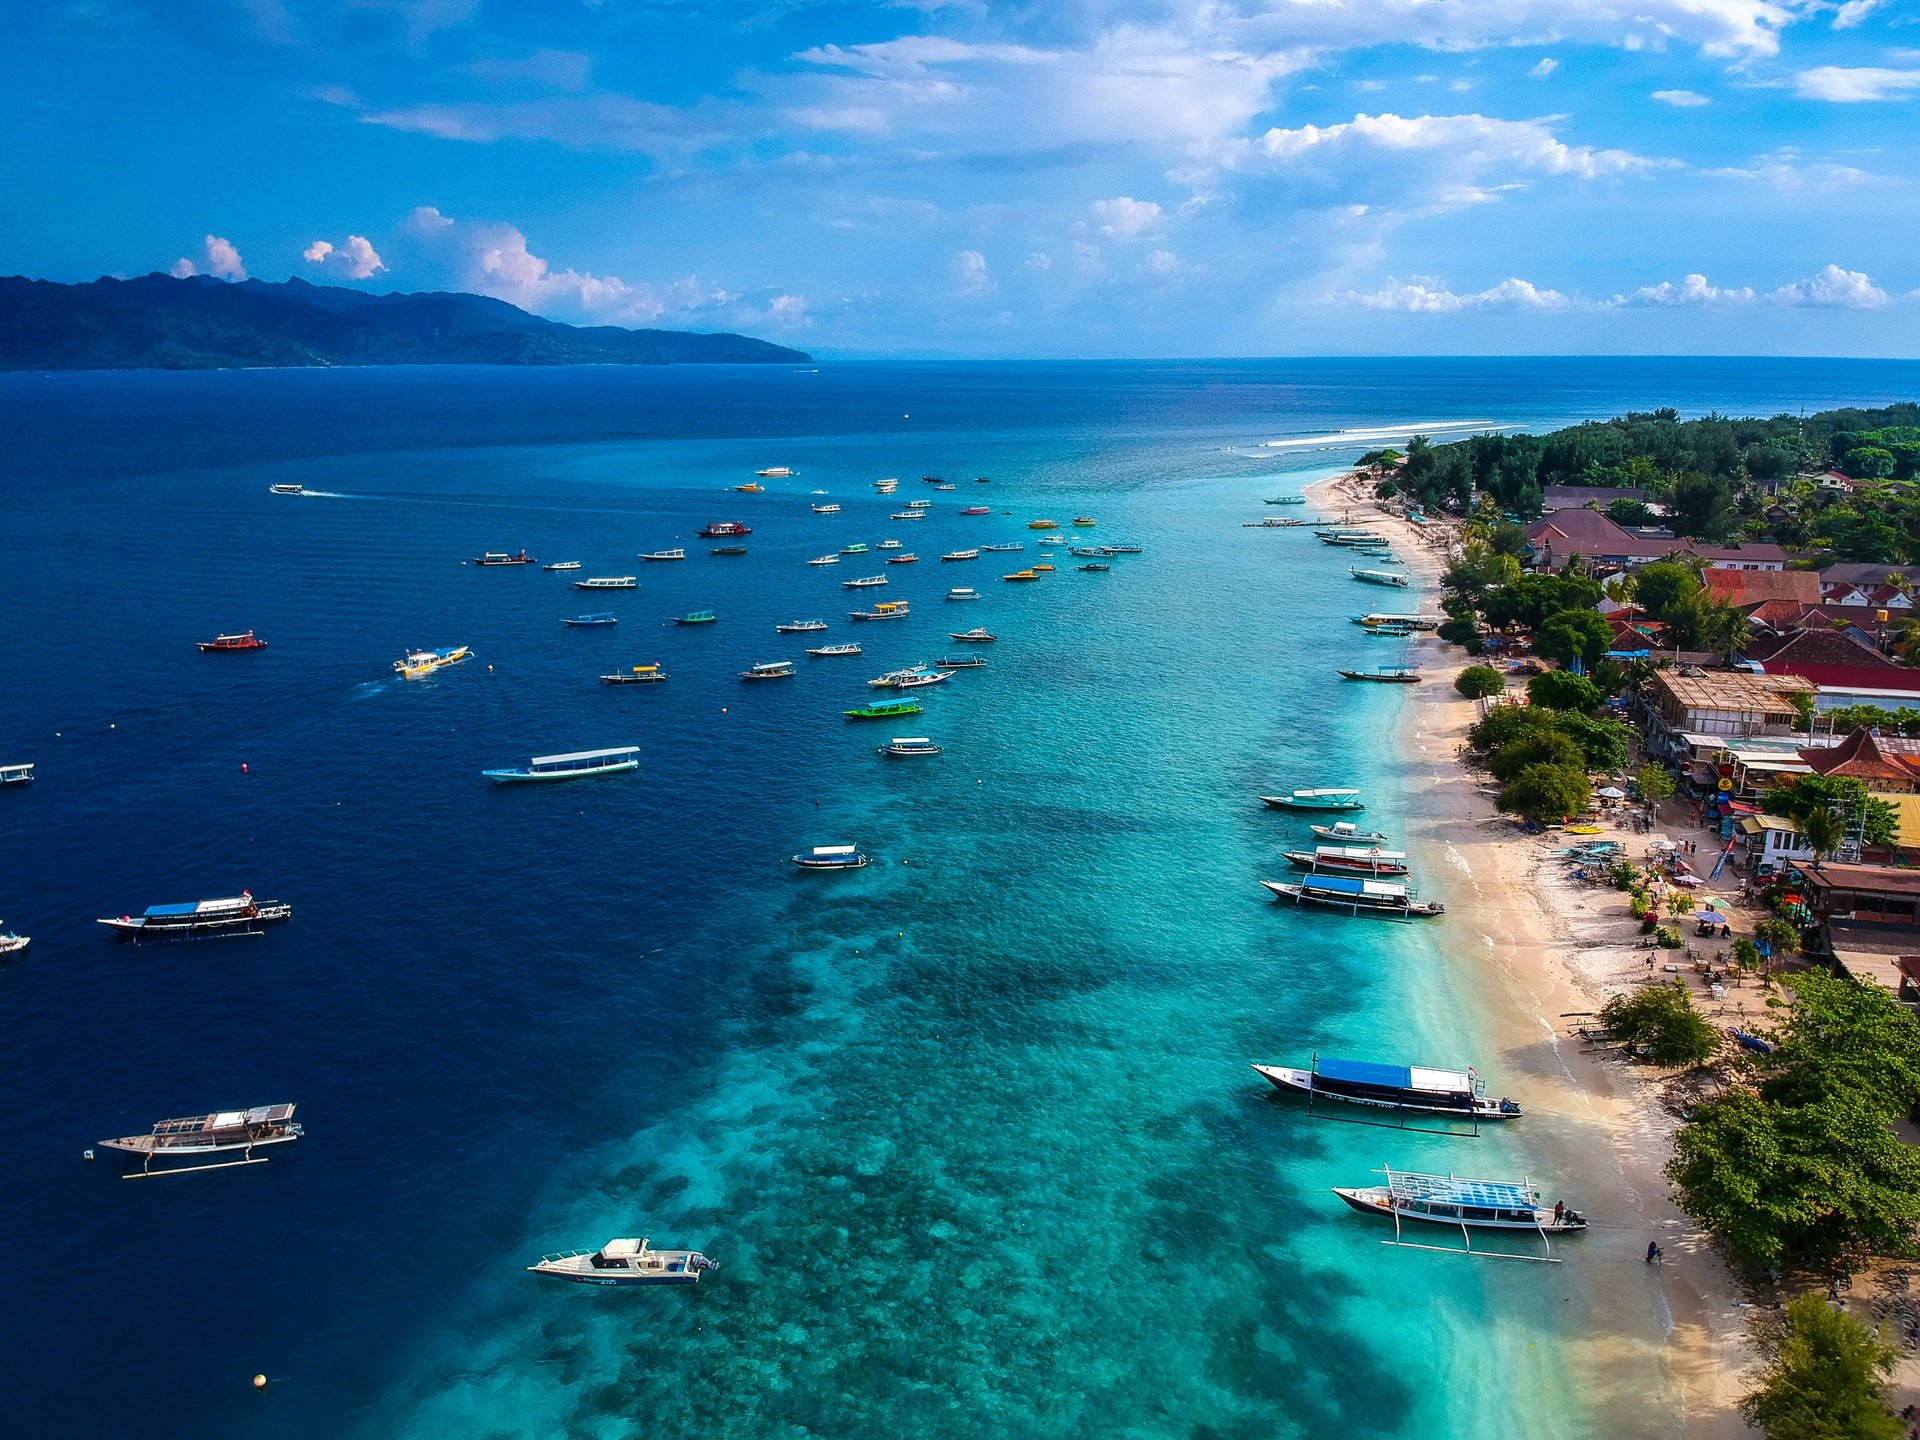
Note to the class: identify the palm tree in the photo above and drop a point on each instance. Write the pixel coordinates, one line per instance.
(1722, 628)
(1824, 830)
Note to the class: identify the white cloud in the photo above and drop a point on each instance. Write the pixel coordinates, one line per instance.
(969, 268)
(789, 311)
(1833, 289)
(1040, 262)
(1162, 265)
(1853, 12)
(1845, 86)
(217, 257)
(1545, 68)
(1426, 297)
(1693, 290)
(1681, 99)
(1460, 87)
(355, 258)
(1123, 217)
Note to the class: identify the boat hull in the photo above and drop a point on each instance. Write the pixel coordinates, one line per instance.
(1374, 1200)
(1288, 802)
(1305, 1082)
(527, 777)
(140, 931)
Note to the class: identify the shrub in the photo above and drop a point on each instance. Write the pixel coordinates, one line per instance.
(1668, 936)
(1542, 747)
(1563, 690)
(1478, 681)
(1827, 1376)
(1546, 792)
(1638, 907)
(1661, 1020)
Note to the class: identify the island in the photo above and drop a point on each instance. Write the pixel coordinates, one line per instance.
(160, 322)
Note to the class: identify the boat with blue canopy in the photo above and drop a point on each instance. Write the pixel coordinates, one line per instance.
(1469, 1204)
(200, 919)
(1417, 1089)
(576, 765)
(1356, 896)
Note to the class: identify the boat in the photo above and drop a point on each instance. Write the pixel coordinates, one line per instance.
(609, 582)
(502, 557)
(727, 550)
(1043, 525)
(933, 480)
(1379, 577)
(20, 774)
(562, 565)
(1468, 1204)
(826, 509)
(597, 617)
(799, 627)
(1389, 632)
(1021, 575)
(902, 747)
(1271, 524)
(889, 545)
(1387, 675)
(1316, 800)
(1419, 1089)
(944, 486)
(1121, 549)
(768, 670)
(824, 560)
(824, 651)
(923, 678)
(894, 677)
(1345, 832)
(963, 592)
(200, 919)
(1007, 548)
(1088, 552)
(859, 547)
(750, 488)
(1288, 500)
(1043, 570)
(976, 636)
(887, 484)
(961, 555)
(577, 765)
(983, 479)
(1085, 522)
(248, 641)
(1412, 622)
(919, 504)
(1093, 569)
(11, 944)
(885, 610)
(674, 554)
(865, 582)
(832, 857)
(1355, 895)
(978, 510)
(418, 664)
(883, 710)
(962, 662)
(286, 489)
(775, 472)
(1361, 859)
(907, 559)
(626, 1262)
(638, 675)
(723, 530)
(208, 1142)
(695, 617)
(908, 515)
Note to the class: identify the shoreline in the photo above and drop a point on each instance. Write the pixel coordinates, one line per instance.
(1545, 936)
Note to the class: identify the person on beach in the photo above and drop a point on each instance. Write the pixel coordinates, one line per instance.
(1653, 1251)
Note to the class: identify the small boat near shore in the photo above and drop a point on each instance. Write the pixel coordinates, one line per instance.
(1322, 799)
(609, 582)
(1345, 832)
(1271, 524)
(637, 675)
(832, 857)
(1417, 1089)
(1288, 500)
(503, 557)
(588, 621)
(223, 1140)
(825, 652)
(1379, 577)
(222, 643)
(626, 1262)
(1469, 1204)
(1357, 896)
(1386, 675)
(200, 919)
(903, 747)
(1356, 859)
(1411, 622)
(576, 765)
(418, 664)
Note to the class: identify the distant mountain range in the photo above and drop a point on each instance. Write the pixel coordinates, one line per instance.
(158, 322)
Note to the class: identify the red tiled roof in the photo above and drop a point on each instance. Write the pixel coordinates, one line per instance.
(1748, 587)
(1850, 677)
(1866, 756)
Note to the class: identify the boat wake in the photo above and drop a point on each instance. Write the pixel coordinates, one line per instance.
(1331, 440)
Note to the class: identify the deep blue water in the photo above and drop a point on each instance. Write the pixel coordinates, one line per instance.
(971, 1130)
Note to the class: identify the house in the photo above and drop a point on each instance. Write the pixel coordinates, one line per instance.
(1743, 587)
(1873, 894)
(1720, 702)
(1555, 539)
(1576, 497)
(1842, 664)
(1885, 764)
(1852, 583)
(1773, 842)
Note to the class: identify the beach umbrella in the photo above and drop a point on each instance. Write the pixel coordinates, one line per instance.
(1711, 917)
(1611, 792)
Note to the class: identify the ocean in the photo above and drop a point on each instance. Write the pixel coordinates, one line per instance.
(971, 1131)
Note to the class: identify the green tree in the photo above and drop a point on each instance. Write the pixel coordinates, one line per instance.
(1547, 792)
(1567, 635)
(1661, 1020)
(1540, 747)
(1628, 511)
(1478, 681)
(1504, 723)
(1604, 742)
(1826, 1378)
(1805, 797)
(1654, 783)
(1781, 937)
(1868, 462)
(1562, 690)
(1664, 585)
(1719, 626)
(1824, 830)
(1844, 1038)
(1702, 506)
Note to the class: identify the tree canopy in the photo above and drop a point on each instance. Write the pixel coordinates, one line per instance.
(1826, 1378)
(1477, 681)
(1547, 792)
(1563, 690)
(1661, 1020)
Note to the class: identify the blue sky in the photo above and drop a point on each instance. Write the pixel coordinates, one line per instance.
(1134, 178)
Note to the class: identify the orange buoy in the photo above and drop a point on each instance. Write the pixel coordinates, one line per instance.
(259, 1382)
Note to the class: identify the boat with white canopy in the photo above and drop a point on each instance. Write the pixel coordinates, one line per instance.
(626, 1262)
(575, 765)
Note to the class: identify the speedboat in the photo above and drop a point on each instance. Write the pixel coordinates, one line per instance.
(799, 627)
(1345, 832)
(977, 636)
(598, 617)
(247, 641)
(11, 944)
(286, 489)
(418, 664)
(626, 1262)
(752, 487)
(768, 670)
(832, 857)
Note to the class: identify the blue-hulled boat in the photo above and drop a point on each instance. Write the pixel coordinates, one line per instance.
(602, 617)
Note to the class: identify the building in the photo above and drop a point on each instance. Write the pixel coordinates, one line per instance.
(1885, 764)
(1719, 702)
(1773, 843)
(1745, 589)
(1851, 578)
(1555, 539)
(1862, 894)
(1841, 663)
(1577, 497)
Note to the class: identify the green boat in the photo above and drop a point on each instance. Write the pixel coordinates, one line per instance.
(884, 710)
(695, 617)
(857, 548)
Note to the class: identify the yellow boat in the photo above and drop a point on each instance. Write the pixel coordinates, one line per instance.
(1585, 829)
(1041, 569)
(752, 487)
(1021, 575)
(419, 664)
(1085, 522)
(1042, 525)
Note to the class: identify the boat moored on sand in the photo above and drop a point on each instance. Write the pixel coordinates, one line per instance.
(626, 1262)
(1417, 1089)
(1387, 675)
(1468, 1204)
(1379, 577)
(1351, 859)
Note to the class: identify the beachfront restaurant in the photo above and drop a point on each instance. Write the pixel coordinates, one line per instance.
(1722, 703)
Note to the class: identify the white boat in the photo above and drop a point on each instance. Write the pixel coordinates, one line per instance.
(824, 560)
(963, 592)
(908, 515)
(1468, 1204)
(562, 565)
(627, 1262)
(286, 489)
(675, 554)
(919, 504)
(903, 746)
(776, 472)
(1003, 549)
(768, 670)
(888, 545)
(961, 555)
(1345, 832)
(826, 509)
(418, 664)
(21, 774)
(576, 765)
(926, 677)
(1356, 895)
(825, 651)
(1404, 1089)
(892, 678)
(832, 857)
(200, 1141)
(865, 582)
(11, 945)
(799, 627)
(609, 582)
(1379, 577)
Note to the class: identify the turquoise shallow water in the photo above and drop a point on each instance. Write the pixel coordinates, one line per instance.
(972, 1131)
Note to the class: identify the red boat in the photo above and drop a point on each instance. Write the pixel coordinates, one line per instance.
(721, 528)
(248, 641)
(977, 510)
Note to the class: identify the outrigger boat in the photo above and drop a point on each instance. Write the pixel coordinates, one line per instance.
(1356, 896)
(247, 641)
(922, 677)
(800, 627)
(1271, 524)
(1405, 1089)
(865, 582)
(903, 746)
(21, 774)
(1412, 622)
(907, 559)
(963, 592)
(976, 636)
(723, 530)
(883, 710)
(859, 547)
(609, 582)
(1288, 500)
(502, 557)
(768, 670)
(418, 664)
(893, 677)
(961, 662)
(562, 565)
(1087, 552)
(978, 510)
(1379, 577)
(626, 1262)
(1360, 859)
(885, 610)
(696, 617)
(908, 515)
(1387, 675)
(1007, 548)
(201, 1140)
(1345, 832)
(824, 560)
(1093, 569)
(832, 857)
(727, 550)
(577, 765)
(1121, 549)
(1316, 800)
(597, 617)
(825, 651)
(1469, 1204)
(888, 545)
(960, 555)
(200, 919)
(286, 489)
(674, 554)
(638, 675)
(1085, 522)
